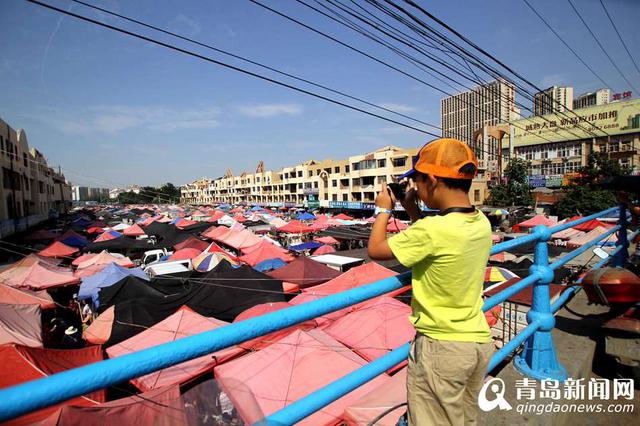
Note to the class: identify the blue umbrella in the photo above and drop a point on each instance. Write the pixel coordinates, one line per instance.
(306, 216)
(269, 265)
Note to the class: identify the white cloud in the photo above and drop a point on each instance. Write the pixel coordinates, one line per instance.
(398, 107)
(551, 80)
(270, 110)
(114, 118)
(184, 25)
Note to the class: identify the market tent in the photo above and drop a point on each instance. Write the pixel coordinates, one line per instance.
(207, 261)
(110, 275)
(192, 243)
(566, 234)
(305, 272)
(310, 245)
(586, 237)
(99, 331)
(380, 402)
(503, 256)
(241, 239)
(591, 225)
(58, 249)
(120, 227)
(341, 216)
(264, 243)
(374, 329)
(239, 218)
(184, 254)
(354, 277)
(535, 221)
(73, 239)
(183, 323)
(105, 258)
(269, 265)
(128, 288)
(264, 252)
(21, 324)
(108, 235)
(305, 216)
(22, 364)
(222, 293)
(395, 225)
(134, 231)
(324, 249)
(120, 244)
(185, 223)
(14, 296)
(266, 340)
(287, 370)
(295, 227)
(495, 274)
(150, 408)
(32, 273)
(326, 240)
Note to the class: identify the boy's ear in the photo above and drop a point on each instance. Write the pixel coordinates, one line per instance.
(433, 181)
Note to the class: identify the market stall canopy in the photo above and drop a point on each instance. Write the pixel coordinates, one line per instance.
(264, 252)
(134, 231)
(150, 408)
(111, 274)
(31, 273)
(192, 243)
(342, 216)
(104, 258)
(58, 249)
(395, 225)
(14, 296)
(324, 249)
(269, 265)
(326, 240)
(206, 261)
(305, 272)
(183, 323)
(21, 324)
(383, 406)
(73, 239)
(310, 245)
(241, 239)
(185, 253)
(266, 340)
(591, 225)
(305, 216)
(535, 221)
(108, 235)
(374, 329)
(284, 372)
(41, 235)
(295, 227)
(586, 237)
(22, 364)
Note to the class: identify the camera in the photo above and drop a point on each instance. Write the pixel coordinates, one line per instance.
(399, 190)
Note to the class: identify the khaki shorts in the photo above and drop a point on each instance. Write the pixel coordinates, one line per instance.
(444, 379)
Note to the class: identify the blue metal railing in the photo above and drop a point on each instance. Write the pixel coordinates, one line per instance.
(537, 360)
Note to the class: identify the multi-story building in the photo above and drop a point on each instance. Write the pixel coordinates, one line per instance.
(553, 99)
(30, 190)
(85, 193)
(464, 114)
(599, 97)
(349, 183)
(559, 144)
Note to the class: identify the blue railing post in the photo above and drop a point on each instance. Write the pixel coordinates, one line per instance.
(538, 359)
(621, 256)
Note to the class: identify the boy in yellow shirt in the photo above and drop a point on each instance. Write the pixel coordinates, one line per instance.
(447, 255)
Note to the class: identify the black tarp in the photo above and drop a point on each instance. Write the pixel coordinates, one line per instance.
(167, 235)
(360, 233)
(128, 288)
(222, 293)
(121, 245)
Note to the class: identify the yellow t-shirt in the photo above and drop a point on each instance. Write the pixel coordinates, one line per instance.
(447, 256)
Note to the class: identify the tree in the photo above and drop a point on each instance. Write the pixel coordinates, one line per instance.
(516, 191)
(167, 193)
(583, 196)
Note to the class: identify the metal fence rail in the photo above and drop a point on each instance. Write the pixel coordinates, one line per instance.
(537, 360)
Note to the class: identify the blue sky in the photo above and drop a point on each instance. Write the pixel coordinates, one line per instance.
(111, 110)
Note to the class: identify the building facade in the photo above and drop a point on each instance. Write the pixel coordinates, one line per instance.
(31, 190)
(462, 115)
(85, 193)
(599, 97)
(569, 140)
(347, 183)
(553, 99)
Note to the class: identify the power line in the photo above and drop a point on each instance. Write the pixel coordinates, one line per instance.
(481, 64)
(226, 65)
(620, 36)
(566, 44)
(600, 46)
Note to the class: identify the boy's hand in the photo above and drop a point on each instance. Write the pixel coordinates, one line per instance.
(385, 198)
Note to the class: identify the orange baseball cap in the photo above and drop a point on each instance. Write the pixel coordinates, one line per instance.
(444, 158)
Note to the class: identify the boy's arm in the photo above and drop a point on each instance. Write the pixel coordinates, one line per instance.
(378, 248)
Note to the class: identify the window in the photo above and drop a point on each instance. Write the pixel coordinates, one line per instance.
(346, 168)
(24, 159)
(399, 162)
(382, 163)
(315, 184)
(356, 166)
(299, 186)
(345, 197)
(334, 183)
(326, 196)
(299, 173)
(318, 172)
(336, 169)
(310, 173)
(356, 182)
(334, 197)
(382, 179)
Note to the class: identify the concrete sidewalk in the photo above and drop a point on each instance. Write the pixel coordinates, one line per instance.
(579, 343)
